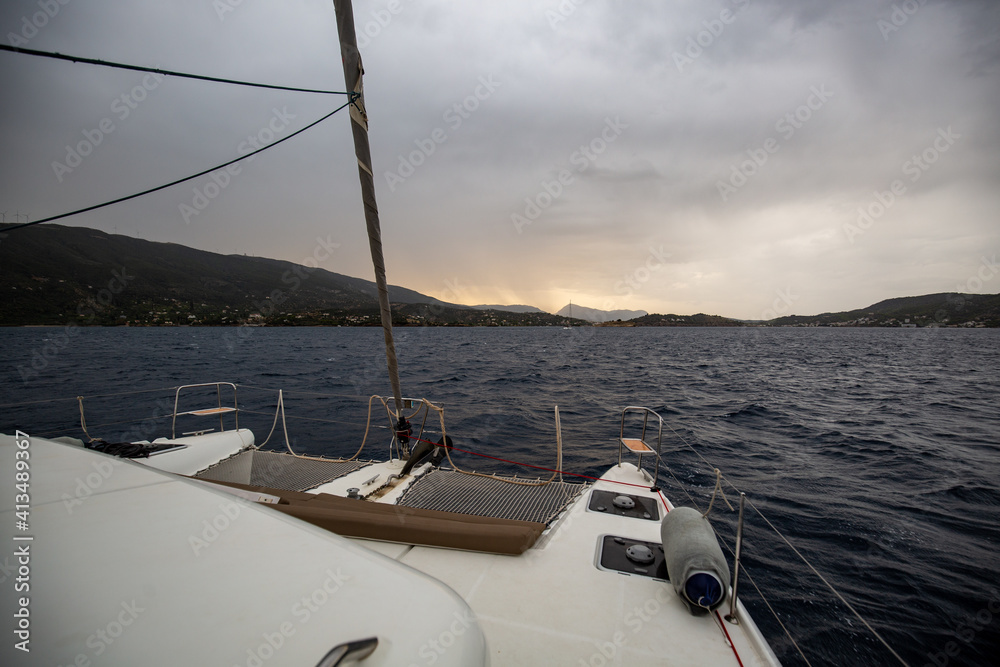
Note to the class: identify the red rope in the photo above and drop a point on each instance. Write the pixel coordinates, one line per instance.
(730, 639)
(660, 494)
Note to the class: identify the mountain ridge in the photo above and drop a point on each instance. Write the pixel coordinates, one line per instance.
(597, 316)
(925, 310)
(54, 274)
(513, 308)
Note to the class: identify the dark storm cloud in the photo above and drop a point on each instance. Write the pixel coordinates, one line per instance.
(747, 137)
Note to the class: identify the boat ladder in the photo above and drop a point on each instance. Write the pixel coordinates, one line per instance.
(639, 445)
(219, 409)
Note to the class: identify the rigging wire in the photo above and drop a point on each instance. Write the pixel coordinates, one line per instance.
(720, 477)
(540, 482)
(828, 584)
(166, 72)
(74, 398)
(180, 180)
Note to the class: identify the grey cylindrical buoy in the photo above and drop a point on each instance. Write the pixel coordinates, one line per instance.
(695, 564)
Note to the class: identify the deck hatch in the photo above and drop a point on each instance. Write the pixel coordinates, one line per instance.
(643, 508)
(622, 554)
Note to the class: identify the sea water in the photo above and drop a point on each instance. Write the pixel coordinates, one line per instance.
(875, 452)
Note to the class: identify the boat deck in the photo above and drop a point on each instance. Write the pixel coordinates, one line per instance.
(537, 585)
(637, 621)
(132, 566)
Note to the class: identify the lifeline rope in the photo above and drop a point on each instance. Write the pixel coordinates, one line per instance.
(165, 72)
(178, 181)
(528, 465)
(70, 398)
(717, 491)
(719, 478)
(554, 471)
(280, 409)
(427, 405)
(448, 448)
(830, 586)
(83, 419)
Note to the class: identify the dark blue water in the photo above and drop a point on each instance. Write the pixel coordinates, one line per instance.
(875, 451)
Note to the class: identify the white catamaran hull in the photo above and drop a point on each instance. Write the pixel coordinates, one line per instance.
(135, 566)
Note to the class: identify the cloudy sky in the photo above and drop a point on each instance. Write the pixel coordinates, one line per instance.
(747, 158)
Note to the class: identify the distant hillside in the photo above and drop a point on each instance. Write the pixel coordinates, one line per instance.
(946, 309)
(52, 274)
(595, 315)
(422, 314)
(511, 309)
(698, 320)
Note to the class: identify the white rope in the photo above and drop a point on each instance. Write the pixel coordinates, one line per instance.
(83, 419)
(717, 491)
(280, 410)
(274, 423)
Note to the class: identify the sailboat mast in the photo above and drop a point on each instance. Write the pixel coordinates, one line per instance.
(359, 124)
